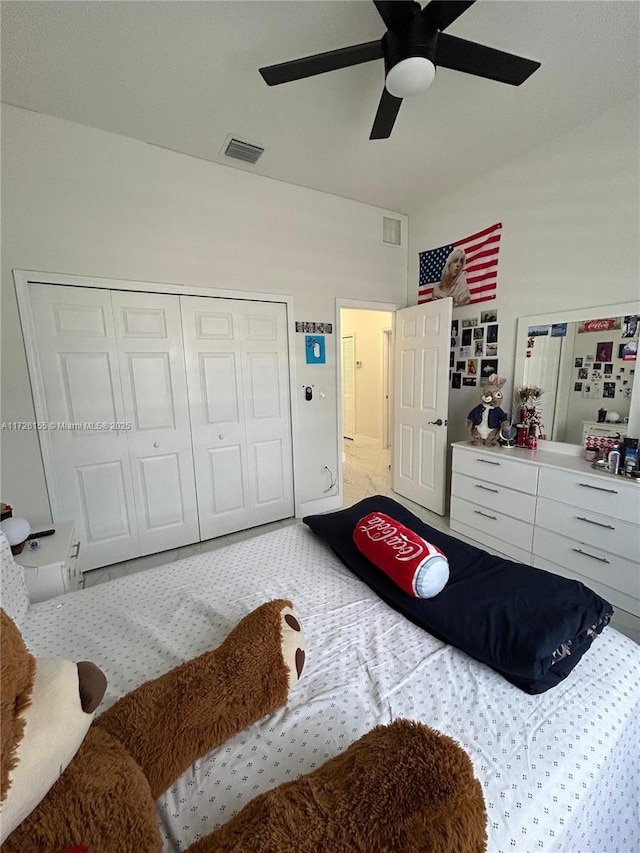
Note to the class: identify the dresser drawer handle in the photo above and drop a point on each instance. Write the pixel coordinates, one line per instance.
(598, 488)
(487, 461)
(593, 556)
(74, 556)
(597, 523)
(486, 515)
(486, 488)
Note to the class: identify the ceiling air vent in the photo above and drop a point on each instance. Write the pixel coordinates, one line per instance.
(244, 151)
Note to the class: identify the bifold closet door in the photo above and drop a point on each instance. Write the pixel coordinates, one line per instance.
(79, 398)
(238, 381)
(154, 389)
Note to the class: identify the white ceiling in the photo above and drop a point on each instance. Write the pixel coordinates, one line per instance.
(184, 75)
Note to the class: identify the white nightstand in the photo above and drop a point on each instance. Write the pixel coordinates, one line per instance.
(52, 569)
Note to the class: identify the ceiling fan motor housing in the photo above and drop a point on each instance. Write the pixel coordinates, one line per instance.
(414, 39)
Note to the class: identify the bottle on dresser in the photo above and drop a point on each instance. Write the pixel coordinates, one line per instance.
(614, 459)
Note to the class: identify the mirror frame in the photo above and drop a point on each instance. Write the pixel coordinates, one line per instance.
(589, 313)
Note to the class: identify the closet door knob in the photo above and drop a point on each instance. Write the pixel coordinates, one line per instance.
(220, 436)
(156, 444)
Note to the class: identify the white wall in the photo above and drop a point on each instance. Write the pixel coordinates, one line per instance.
(81, 201)
(570, 212)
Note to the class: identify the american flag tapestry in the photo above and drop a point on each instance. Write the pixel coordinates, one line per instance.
(467, 270)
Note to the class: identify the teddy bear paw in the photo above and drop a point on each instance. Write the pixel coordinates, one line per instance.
(293, 644)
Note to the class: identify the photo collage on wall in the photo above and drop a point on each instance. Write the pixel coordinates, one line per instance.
(474, 350)
(607, 368)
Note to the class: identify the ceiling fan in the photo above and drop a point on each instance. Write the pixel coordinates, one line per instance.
(413, 46)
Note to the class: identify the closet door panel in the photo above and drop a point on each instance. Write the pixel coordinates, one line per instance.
(79, 399)
(267, 410)
(151, 357)
(213, 362)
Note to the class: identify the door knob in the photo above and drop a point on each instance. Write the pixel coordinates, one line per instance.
(221, 436)
(437, 423)
(156, 444)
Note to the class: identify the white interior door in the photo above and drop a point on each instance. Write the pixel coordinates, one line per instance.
(238, 382)
(78, 396)
(348, 387)
(422, 339)
(154, 388)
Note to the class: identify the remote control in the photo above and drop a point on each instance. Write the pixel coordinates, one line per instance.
(42, 533)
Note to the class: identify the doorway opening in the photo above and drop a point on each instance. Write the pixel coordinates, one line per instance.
(366, 412)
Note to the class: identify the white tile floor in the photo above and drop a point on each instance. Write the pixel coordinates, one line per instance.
(365, 472)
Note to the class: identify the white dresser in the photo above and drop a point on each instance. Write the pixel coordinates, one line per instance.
(52, 569)
(554, 511)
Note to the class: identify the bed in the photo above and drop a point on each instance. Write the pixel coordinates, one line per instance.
(560, 771)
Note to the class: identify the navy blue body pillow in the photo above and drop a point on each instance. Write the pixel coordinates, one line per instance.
(530, 625)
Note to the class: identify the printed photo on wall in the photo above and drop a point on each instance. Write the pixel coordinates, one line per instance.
(488, 366)
(628, 351)
(456, 380)
(492, 334)
(630, 328)
(609, 389)
(488, 316)
(577, 386)
(537, 331)
(467, 337)
(479, 349)
(583, 373)
(604, 351)
(469, 380)
(460, 366)
(472, 367)
(491, 350)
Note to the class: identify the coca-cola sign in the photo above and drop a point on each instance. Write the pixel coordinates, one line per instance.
(604, 325)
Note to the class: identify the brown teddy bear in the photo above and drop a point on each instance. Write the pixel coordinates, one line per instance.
(401, 787)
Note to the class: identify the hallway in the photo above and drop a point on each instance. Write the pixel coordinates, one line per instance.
(366, 471)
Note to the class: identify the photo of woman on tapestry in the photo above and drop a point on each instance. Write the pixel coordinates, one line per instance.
(454, 280)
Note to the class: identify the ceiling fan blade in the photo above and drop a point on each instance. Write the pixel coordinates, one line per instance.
(442, 13)
(396, 12)
(319, 63)
(385, 117)
(471, 58)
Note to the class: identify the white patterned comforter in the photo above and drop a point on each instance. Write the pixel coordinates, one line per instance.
(560, 771)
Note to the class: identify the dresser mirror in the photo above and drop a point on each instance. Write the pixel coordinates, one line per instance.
(584, 361)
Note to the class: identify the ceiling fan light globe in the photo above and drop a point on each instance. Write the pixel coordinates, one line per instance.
(410, 76)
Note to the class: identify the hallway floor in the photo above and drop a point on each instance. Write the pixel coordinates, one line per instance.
(367, 471)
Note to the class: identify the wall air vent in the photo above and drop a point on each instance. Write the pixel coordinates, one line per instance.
(244, 151)
(391, 230)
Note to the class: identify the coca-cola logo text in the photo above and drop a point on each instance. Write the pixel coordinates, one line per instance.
(379, 530)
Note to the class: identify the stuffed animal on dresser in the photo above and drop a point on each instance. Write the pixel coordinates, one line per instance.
(487, 419)
(70, 783)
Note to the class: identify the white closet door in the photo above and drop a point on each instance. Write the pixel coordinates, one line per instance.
(237, 375)
(151, 356)
(86, 456)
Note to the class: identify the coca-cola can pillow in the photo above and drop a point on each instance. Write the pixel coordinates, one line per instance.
(415, 565)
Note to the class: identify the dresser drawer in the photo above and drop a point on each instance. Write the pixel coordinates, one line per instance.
(494, 497)
(496, 468)
(602, 531)
(605, 494)
(492, 524)
(589, 562)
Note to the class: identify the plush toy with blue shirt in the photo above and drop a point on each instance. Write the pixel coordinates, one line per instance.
(487, 419)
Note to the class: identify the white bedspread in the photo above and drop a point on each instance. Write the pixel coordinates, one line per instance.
(560, 771)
